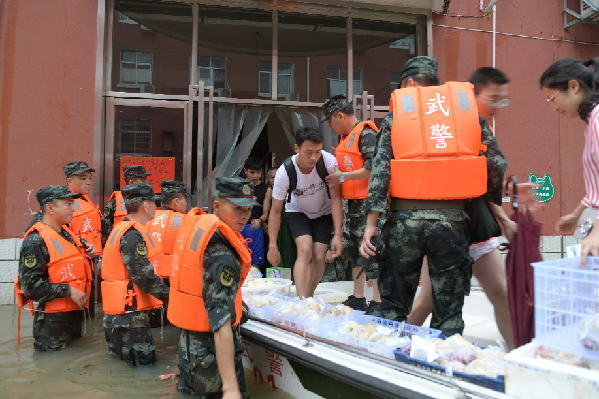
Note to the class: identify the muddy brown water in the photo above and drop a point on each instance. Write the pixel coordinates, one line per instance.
(84, 369)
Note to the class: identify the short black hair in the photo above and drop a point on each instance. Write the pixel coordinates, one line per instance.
(132, 204)
(168, 197)
(486, 76)
(307, 134)
(424, 79)
(128, 180)
(253, 164)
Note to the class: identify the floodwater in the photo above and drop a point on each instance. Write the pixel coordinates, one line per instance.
(84, 370)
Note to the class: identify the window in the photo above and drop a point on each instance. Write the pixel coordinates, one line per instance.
(212, 70)
(337, 78)
(395, 80)
(168, 143)
(407, 43)
(124, 19)
(284, 82)
(136, 67)
(135, 136)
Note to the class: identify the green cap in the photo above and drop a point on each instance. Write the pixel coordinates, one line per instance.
(420, 65)
(334, 105)
(76, 168)
(237, 190)
(140, 191)
(173, 187)
(54, 192)
(132, 171)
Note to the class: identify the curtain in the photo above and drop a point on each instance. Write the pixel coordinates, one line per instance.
(295, 118)
(230, 121)
(253, 124)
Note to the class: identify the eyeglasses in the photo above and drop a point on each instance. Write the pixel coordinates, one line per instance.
(501, 103)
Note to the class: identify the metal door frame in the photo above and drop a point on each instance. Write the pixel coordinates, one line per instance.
(198, 93)
(109, 153)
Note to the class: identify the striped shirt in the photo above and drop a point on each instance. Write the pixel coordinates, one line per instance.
(590, 161)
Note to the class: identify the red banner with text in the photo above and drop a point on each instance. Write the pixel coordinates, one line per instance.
(160, 168)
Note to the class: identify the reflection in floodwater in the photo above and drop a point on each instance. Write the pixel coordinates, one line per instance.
(84, 370)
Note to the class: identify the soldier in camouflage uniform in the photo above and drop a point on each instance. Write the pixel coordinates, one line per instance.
(339, 113)
(128, 335)
(134, 174)
(440, 234)
(205, 367)
(51, 331)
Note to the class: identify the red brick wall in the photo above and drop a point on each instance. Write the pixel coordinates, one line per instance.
(534, 138)
(47, 73)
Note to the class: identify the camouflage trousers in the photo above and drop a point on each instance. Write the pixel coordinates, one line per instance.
(198, 370)
(130, 338)
(354, 223)
(444, 241)
(54, 331)
(353, 231)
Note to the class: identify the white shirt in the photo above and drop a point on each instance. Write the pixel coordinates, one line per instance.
(313, 200)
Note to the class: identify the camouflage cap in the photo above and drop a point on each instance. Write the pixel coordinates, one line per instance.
(334, 105)
(420, 65)
(54, 192)
(76, 168)
(132, 171)
(173, 186)
(237, 190)
(140, 191)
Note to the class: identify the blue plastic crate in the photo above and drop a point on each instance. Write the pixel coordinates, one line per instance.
(565, 294)
(496, 384)
(330, 330)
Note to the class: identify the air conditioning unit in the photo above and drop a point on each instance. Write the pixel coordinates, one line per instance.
(147, 89)
(588, 8)
(291, 97)
(222, 92)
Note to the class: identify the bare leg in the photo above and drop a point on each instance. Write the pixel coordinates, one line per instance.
(302, 266)
(490, 272)
(376, 294)
(317, 267)
(423, 303)
(358, 282)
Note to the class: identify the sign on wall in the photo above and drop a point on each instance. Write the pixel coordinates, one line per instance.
(546, 190)
(161, 168)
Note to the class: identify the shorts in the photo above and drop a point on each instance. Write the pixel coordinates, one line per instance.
(478, 250)
(320, 228)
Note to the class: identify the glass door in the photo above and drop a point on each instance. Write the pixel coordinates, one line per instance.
(154, 133)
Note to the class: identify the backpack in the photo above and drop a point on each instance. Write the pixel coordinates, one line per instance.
(292, 174)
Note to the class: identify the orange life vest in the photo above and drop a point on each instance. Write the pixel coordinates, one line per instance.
(87, 223)
(120, 212)
(118, 291)
(68, 265)
(349, 158)
(186, 307)
(164, 229)
(436, 141)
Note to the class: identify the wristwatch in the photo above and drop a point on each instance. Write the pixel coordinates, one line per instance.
(342, 178)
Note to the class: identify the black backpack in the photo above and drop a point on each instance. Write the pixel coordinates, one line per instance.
(292, 174)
